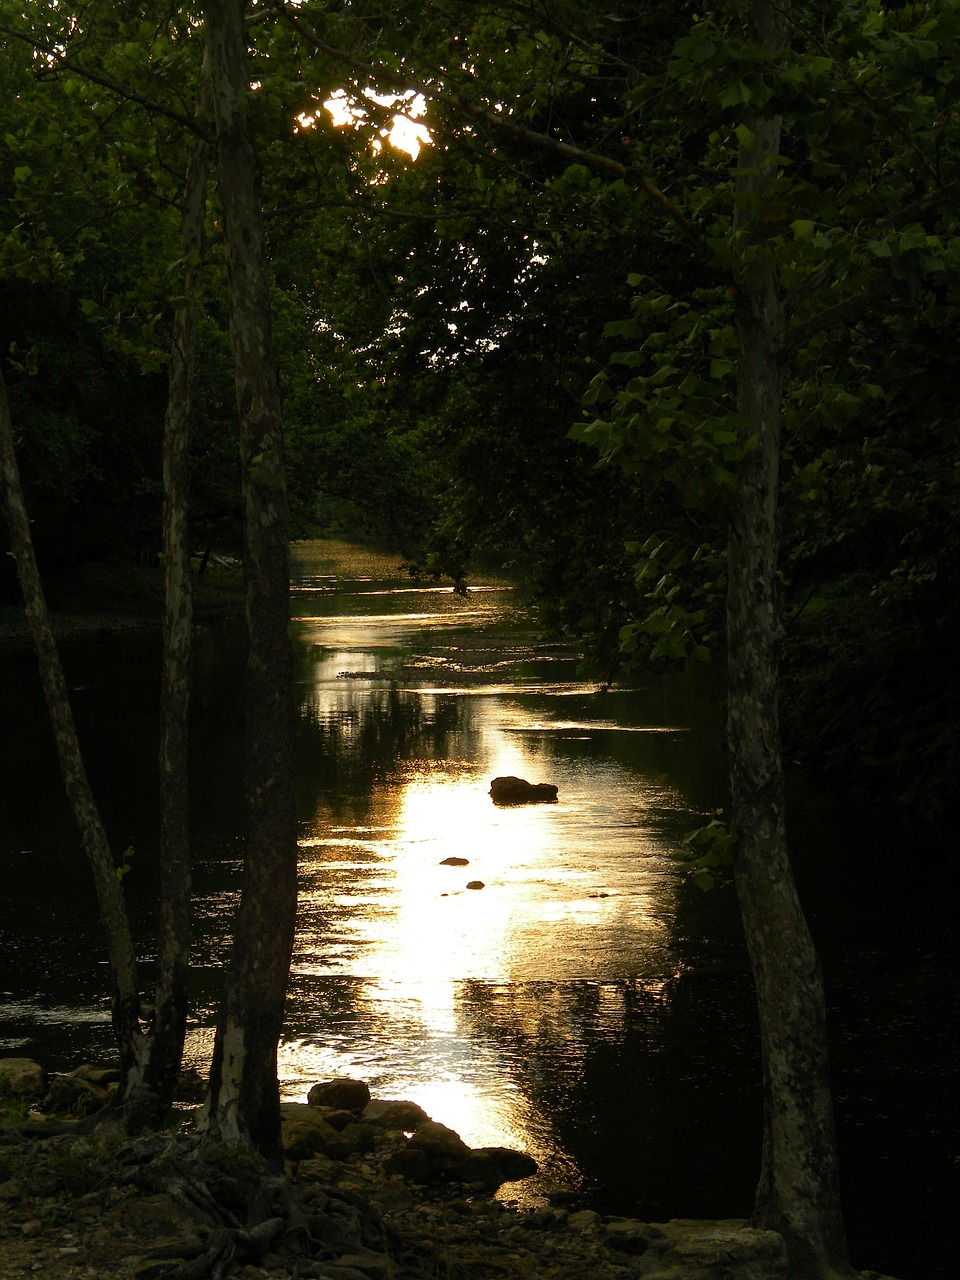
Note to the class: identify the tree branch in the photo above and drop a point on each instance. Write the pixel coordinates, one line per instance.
(64, 64)
(848, 309)
(504, 123)
(858, 302)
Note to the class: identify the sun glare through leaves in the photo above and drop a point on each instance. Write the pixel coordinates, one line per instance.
(403, 132)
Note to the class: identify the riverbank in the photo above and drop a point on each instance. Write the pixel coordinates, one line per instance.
(586, 1006)
(376, 1191)
(99, 600)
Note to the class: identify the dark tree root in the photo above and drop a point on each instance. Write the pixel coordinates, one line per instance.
(241, 1208)
(227, 1247)
(31, 1132)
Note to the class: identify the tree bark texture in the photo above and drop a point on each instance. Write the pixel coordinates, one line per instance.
(149, 1091)
(125, 998)
(798, 1191)
(243, 1099)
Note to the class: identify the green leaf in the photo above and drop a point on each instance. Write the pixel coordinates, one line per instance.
(737, 95)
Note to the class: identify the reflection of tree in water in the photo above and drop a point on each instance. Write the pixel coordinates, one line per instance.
(349, 745)
(652, 1083)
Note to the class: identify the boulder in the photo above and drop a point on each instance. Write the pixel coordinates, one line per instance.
(22, 1078)
(78, 1093)
(336, 1117)
(491, 1167)
(511, 790)
(713, 1251)
(410, 1164)
(389, 1114)
(306, 1133)
(585, 1220)
(341, 1093)
(436, 1153)
(439, 1142)
(627, 1235)
(357, 1138)
(102, 1077)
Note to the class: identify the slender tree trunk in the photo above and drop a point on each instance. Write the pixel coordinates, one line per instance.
(125, 999)
(798, 1192)
(150, 1056)
(149, 1090)
(243, 1100)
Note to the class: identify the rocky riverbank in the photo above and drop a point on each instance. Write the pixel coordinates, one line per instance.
(376, 1190)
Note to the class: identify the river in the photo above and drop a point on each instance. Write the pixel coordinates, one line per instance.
(584, 1003)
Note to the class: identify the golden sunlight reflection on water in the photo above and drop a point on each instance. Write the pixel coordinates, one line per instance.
(430, 978)
(560, 900)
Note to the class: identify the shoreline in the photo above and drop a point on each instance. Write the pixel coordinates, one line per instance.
(79, 624)
(94, 600)
(384, 1191)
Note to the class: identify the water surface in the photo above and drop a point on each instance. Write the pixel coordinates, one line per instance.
(586, 1003)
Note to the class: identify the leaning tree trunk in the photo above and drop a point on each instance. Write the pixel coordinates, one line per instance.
(149, 1089)
(125, 999)
(798, 1192)
(243, 1099)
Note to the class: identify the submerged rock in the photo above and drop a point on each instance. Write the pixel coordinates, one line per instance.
(511, 790)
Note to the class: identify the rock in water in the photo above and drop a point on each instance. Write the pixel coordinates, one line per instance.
(341, 1092)
(510, 790)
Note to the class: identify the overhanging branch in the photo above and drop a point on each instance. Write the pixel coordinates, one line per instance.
(64, 64)
(503, 123)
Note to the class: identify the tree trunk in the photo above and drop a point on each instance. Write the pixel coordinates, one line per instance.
(798, 1192)
(125, 998)
(243, 1100)
(149, 1090)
